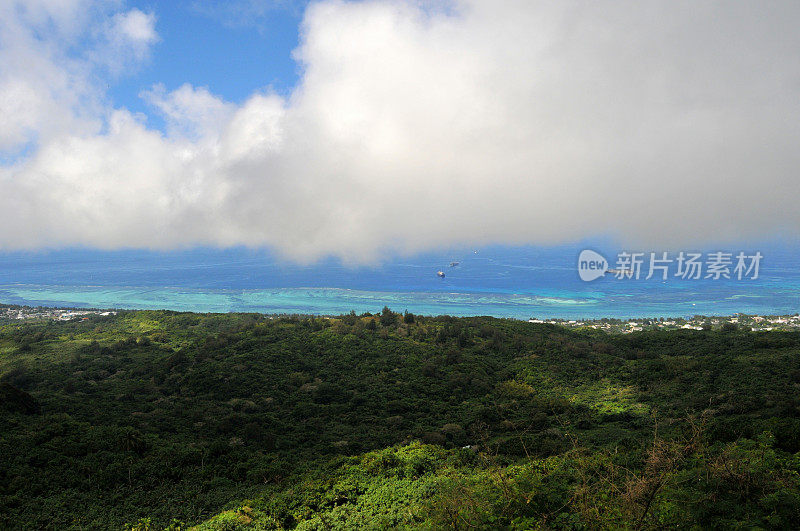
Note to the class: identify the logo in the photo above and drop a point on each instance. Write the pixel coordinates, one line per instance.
(591, 265)
(685, 265)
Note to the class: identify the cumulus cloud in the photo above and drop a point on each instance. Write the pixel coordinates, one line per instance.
(42, 91)
(417, 126)
(51, 55)
(127, 39)
(191, 112)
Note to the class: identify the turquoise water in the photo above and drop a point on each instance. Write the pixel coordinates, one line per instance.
(520, 282)
(292, 300)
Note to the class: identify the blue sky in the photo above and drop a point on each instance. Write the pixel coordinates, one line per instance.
(232, 51)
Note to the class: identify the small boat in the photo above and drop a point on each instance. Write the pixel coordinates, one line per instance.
(440, 274)
(454, 264)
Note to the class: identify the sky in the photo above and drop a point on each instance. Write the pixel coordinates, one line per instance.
(233, 49)
(358, 129)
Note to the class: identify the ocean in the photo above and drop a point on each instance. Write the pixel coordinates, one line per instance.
(518, 282)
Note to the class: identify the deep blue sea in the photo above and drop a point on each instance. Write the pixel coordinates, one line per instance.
(519, 282)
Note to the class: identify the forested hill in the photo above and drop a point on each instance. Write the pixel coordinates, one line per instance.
(162, 419)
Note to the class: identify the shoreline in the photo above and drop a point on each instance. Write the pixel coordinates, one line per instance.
(752, 322)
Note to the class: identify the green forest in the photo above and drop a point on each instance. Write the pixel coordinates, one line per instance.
(149, 420)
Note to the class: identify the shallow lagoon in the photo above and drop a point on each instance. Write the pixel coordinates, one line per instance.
(518, 282)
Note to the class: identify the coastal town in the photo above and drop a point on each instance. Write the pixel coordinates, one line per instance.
(28, 313)
(698, 322)
(742, 321)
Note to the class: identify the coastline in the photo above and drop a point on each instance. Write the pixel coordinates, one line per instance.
(336, 301)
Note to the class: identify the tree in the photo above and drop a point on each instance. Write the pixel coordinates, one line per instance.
(388, 317)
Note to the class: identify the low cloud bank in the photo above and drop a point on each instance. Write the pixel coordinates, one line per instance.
(413, 127)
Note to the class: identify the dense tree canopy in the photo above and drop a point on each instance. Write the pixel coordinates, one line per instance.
(161, 418)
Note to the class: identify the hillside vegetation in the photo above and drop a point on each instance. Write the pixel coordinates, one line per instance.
(153, 420)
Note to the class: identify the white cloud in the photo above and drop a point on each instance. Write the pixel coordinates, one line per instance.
(512, 122)
(127, 39)
(136, 27)
(49, 57)
(190, 112)
(43, 92)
